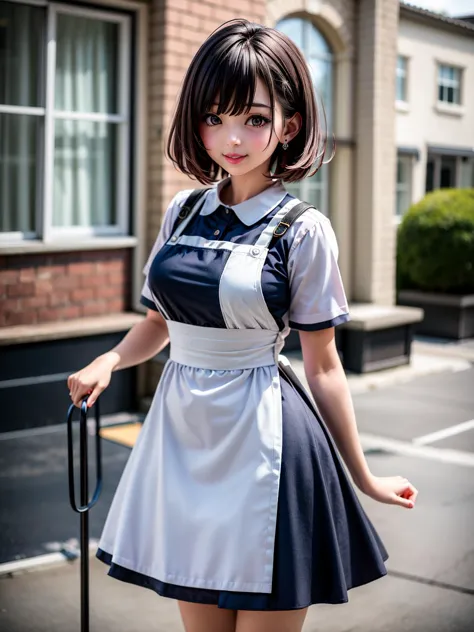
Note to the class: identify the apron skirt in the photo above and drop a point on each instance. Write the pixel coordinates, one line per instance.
(324, 543)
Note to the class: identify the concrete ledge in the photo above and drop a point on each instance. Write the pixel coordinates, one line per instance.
(371, 317)
(431, 298)
(35, 246)
(75, 328)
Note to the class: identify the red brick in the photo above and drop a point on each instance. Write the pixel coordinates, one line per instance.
(73, 311)
(81, 268)
(116, 278)
(46, 272)
(19, 318)
(28, 274)
(66, 282)
(94, 309)
(94, 281)
(9, 276)
(115, 265)
(50, 314)
(34, 302)
(21, 289)
(116, 305)
(9, 305)
(85, 294)
(107, 291)
(43, 287)
(56, 299)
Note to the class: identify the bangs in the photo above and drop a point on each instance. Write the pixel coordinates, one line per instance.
(229, 80)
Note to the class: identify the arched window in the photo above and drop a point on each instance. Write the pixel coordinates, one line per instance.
(318, 54)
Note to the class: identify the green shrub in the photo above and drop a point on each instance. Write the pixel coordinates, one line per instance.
(435, 243)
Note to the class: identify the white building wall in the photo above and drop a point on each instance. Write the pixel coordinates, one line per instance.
(423, 122)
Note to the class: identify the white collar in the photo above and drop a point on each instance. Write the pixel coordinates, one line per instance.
(250, 211)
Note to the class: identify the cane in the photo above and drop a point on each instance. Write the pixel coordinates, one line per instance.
(86, 505)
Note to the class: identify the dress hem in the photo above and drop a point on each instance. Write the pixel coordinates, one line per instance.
(222, 599)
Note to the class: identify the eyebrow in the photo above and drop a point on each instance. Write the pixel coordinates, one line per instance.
(251, 105)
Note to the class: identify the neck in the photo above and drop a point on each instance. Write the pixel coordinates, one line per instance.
(244, 187)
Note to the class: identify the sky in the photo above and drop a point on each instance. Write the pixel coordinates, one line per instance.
(451, 7)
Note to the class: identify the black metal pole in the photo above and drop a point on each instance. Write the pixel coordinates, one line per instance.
(84, 494)
(85, 504)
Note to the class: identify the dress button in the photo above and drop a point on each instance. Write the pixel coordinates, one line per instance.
(227, 211)
(174, 238)
(217, 232)
(255, 251)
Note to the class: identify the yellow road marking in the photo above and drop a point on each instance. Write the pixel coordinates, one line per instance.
(125, 434)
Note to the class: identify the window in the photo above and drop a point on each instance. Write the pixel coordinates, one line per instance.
(448, 170)
(403, 186)
(64, 121)
(449, 84)
(310, 41)
(401, 87)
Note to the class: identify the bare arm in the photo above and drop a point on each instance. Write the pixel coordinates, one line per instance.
(328, 384)
(142, 342)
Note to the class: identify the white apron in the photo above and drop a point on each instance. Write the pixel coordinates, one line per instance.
(197, 502)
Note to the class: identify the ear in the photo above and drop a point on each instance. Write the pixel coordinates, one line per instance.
(292, 127)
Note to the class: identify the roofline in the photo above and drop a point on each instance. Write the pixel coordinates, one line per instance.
(436, 19)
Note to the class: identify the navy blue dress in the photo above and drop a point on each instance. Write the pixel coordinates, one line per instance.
(325, 544)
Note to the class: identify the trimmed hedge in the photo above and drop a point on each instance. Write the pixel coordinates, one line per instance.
(435, 243)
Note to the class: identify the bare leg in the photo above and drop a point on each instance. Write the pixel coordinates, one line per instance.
(274, 621)
(199, 617)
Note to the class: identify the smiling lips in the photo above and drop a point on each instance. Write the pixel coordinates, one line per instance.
(234, 158)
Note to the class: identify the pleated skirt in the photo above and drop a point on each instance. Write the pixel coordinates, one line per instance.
(325, 543)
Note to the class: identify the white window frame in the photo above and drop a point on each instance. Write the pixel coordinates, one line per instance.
(402, 73)
(445, 83)
(404, 187)
(45, 230)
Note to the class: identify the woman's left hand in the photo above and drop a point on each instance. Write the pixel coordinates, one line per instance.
(393, 490)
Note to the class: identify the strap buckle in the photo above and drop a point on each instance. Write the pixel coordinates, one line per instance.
(184, 212)
(281, 228)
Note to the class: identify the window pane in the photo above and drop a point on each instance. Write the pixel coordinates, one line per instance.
(430, 169)
(467, 173)
(19, 135)
(401, 89)
(21, 54)
(293, 28)
(86, 65)
(315, 43)
(448, 172)
(84, 173)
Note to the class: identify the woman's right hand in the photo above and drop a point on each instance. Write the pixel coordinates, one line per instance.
(92, 380)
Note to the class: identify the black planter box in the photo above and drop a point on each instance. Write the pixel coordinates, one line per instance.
(446, 315)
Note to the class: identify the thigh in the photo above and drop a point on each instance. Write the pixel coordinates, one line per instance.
(199, 617)
(274, 621)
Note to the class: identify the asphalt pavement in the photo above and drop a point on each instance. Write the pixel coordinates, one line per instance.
(420, 428)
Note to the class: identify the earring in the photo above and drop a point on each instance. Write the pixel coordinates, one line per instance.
(285, 145)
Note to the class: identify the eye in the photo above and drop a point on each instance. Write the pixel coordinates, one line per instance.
(259, 121)
(211, 119)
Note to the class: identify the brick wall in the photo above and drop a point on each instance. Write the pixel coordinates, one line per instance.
(61, 286)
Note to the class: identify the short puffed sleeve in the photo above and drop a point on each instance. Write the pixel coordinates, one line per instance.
(169, 219)
(318, 299)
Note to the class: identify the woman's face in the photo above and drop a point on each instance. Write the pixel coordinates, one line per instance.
(239, 144)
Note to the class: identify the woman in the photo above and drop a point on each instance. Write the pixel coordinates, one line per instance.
(234, 500)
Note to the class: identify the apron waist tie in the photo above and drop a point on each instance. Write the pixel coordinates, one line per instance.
(223, 349)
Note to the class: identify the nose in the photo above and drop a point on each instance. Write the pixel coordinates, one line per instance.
(233, 138)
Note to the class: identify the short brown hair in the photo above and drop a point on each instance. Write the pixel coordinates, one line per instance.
(227, 66)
